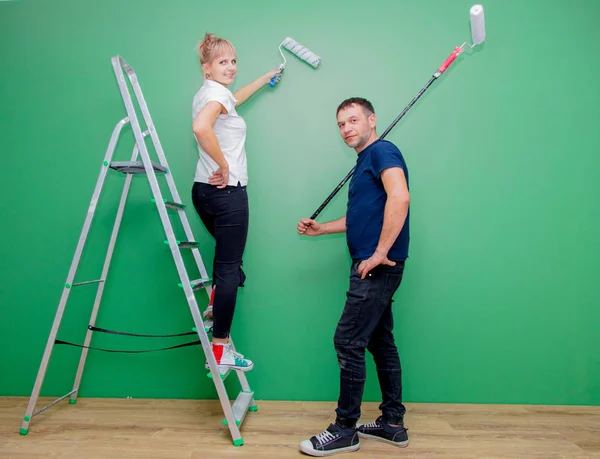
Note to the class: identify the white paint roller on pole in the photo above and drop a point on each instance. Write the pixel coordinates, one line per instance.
(301, 51)
(477, 25)
(477, 36)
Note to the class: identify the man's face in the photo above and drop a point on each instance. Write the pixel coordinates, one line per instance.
(355, 126)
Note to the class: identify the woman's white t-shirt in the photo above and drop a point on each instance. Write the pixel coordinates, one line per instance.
(230, 130)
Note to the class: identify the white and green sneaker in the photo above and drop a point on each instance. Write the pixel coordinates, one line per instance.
(228, 359)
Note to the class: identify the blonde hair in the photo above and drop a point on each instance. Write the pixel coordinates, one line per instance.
(210, 47)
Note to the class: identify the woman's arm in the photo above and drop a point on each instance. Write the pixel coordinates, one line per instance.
(243, 94)
(203, 130)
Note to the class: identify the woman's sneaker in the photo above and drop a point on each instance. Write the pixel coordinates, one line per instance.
(334, 440)
(208, 312)
(380, 430)
(228, 359)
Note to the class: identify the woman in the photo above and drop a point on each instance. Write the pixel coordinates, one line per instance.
(219, 190)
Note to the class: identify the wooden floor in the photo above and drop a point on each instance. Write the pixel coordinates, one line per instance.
(182, 429)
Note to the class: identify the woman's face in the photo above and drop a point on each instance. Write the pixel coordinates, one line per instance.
(222, 68)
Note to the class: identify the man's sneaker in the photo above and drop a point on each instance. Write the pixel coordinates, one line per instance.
(228, 359)
(380, 430)
(334, 440)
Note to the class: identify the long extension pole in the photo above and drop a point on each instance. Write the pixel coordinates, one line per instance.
(435, 76)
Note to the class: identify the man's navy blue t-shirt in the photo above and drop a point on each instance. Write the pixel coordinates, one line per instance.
(366, 202)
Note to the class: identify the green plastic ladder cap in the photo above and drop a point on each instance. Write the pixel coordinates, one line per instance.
(67, 285)
(105, 163)
(195, 329)
(72, 401)
(27, 418)
(238, 442)
(23, 431)
(253, 408)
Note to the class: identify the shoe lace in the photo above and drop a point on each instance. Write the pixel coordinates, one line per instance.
(325, 436)
(235, 354)
(373, 424)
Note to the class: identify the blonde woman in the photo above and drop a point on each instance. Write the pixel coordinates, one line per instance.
(219, 190)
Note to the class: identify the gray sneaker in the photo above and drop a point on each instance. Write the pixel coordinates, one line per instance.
(381, 431)
(334, 440)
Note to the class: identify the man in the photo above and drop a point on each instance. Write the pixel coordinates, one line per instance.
(377, 233)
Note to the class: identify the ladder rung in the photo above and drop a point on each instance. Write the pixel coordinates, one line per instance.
(186, 244)
(172, 204)
(88, 282)
(53, 403)
(197, 284)
(135, 167)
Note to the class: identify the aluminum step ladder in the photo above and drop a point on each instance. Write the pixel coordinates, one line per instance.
(141, 163)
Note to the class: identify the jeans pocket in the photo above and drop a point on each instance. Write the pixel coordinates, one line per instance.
(359, 288)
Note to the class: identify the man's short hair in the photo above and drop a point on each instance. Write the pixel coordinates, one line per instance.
(364, 103)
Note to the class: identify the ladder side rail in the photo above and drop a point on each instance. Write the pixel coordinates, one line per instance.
(70, 276)
(175, 250)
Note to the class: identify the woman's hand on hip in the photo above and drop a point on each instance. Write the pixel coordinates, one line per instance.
(220, 177)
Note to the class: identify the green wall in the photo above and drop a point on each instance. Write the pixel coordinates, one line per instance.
(500, 299)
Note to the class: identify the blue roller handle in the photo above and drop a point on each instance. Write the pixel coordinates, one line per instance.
(273, 81)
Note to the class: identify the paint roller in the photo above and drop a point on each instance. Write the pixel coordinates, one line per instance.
(301, 51)
(477, 36)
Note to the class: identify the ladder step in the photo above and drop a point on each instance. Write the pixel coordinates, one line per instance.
(171, 204)
(197, 284)
(135, 167)
(241, 406)
(207, 326)
(186, 244)
(223, 375)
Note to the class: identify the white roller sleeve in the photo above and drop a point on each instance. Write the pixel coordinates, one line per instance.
(477, 24)
(301, 51)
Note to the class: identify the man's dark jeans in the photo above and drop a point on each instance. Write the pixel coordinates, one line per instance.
(367, 323)
(224, 212)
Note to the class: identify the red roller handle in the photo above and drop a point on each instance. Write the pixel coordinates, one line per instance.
(450, 59)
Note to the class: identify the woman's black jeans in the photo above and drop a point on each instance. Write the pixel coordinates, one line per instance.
(224, 212)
